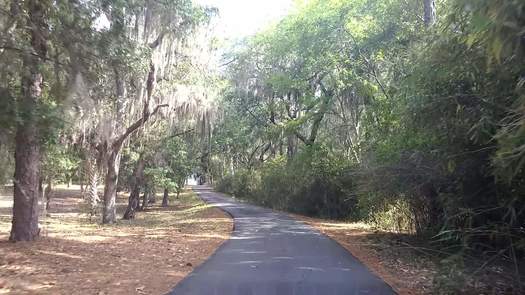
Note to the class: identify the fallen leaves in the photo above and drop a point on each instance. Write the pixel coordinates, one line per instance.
(148, 255)
(405, 277)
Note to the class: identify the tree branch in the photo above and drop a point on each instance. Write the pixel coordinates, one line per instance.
(139, 123)
(6, 47)
(159, 39)
(182, 133)
(301, 137)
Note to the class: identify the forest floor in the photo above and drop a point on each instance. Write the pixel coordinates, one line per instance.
(411, 266)
(383, 255)
(148, 255)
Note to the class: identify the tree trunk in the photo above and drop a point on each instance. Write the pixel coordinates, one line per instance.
(318, 118)
(41, 187)
(27, 142)
(48, 194)
(165, 198)
(109, 214)
(91, 190)
(145, 199)
(81, 179)
(26, 183)
(113, 160)
(429, 7)
(113, 163)
(133, 203)
(205, 164)
(291, 148)
(152, 197)
(134, 197)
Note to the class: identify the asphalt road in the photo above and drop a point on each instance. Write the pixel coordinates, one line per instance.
(270, 253)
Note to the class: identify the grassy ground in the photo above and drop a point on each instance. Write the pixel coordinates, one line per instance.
(148, 255)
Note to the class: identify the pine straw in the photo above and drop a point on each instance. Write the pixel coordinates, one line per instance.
(148, 255)
(408, 264)
(385, 255)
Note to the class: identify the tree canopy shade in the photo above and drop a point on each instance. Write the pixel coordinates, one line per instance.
(408, 114)
(86, 76)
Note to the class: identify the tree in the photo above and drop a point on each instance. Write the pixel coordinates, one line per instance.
(112, 65)
(138, 61)
(429, 7)
(163, 162)
(374, 115)
(39, 72)
(58, 163)
(137, 183)
(27, 142)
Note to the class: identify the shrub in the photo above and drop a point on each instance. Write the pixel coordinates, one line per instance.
(312, 183)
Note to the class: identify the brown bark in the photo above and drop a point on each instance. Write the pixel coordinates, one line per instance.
(41, 187)
(26, 192)
(165, 198)
(91, 190)
(319, 116)
(27, 145)
(133, 203)
(113, 159)
(152, 198)
(109, 214)
(48, 193)
(113, 163)
(133, 200)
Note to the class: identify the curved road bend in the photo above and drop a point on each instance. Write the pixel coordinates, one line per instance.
(270, 253)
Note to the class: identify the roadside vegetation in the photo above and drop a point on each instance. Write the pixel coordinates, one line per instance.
(407, 115)
(112, 93)
(113, 99)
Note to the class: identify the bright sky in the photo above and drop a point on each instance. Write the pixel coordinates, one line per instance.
(240, 18)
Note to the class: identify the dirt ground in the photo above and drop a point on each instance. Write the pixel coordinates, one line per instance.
(405, 273)
(148, 255)
(409, 265)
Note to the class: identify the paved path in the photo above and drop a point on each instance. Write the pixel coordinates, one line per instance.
(270, 253)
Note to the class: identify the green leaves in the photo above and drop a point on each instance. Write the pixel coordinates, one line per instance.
(449, 96)
(59, 163)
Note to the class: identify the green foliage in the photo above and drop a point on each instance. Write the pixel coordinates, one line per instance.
(387, 214)
(160, 177)
(344, 109)
(179, 162)
(314, 183)
(168, 161)
(415, 129)
(59, 164)
(6, 164)
(128, 162)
